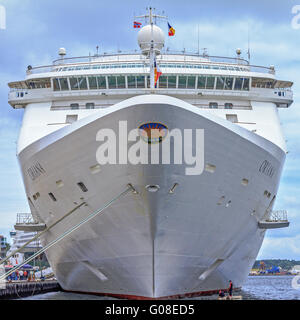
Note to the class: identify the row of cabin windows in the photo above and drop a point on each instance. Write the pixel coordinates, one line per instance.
(212, 105)
(146, 65)
(71, 118)
(32, 84)
(81, 185)
(89, 105)
(215, 105)
(164, 82)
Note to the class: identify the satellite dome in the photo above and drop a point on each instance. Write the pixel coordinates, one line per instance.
(62, 51)
(145, 37)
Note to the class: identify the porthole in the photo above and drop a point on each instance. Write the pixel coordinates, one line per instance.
(245, 182)
(51, 195)
(59, 184)
(95, 169)
(82, 186)
(210, 168)
(221, 200)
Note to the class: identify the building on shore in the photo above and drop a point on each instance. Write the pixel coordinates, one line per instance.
(19, 238)
(295, 269)
(3, 246)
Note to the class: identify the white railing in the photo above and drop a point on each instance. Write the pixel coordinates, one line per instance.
(120, 58)
(278, 215)
(25, 218)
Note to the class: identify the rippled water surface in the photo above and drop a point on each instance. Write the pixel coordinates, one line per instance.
(256, 288)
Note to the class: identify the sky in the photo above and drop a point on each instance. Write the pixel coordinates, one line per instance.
(36, 29)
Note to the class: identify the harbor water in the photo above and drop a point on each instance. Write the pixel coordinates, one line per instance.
(255, 288)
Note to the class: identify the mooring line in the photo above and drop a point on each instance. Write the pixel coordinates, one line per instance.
(66, 233)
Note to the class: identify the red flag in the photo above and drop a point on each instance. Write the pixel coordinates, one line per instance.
(157, 73)
(137, 24)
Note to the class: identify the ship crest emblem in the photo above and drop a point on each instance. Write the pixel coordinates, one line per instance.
(153, 132)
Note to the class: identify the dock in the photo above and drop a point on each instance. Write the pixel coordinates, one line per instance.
(232, 298)
(22, 289)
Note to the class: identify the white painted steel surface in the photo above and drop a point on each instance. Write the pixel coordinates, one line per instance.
(153, 244)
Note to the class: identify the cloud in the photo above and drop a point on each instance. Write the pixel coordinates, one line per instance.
(283, 248)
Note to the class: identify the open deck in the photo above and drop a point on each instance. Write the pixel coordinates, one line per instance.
(135, 60)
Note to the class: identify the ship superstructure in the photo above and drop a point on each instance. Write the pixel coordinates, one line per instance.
(178, 234)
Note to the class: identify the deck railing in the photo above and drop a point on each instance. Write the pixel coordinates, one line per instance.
(163, 58)
(25, 218)
(278, 215)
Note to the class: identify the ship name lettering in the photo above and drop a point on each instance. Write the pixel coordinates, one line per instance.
(35, 171)
(267, 169)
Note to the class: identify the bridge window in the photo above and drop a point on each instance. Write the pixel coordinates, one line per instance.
(220, 83)
(228, 83)
(74, 83)
(263, 83)
(172, 82)
(101, 82)
(82, 83)
(93, 83)
(37, 84)
(140, 81)
(210, 83)
(31, 85)
(64, 84)
(246, 84)
(191, 82)
(112, 82)
(121, 82)
(238, 84)
(182, 82)
(163, 82)
(131, 81)
(56, 86)
(201, 82)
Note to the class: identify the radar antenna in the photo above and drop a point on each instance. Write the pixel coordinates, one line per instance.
(150, 16)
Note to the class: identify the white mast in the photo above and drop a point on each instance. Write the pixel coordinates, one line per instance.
(151, 53)
(153, 46)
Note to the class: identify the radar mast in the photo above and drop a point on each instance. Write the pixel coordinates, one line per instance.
(151, 40)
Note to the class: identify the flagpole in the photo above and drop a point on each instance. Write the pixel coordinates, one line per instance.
(151, 53)
(152, 49)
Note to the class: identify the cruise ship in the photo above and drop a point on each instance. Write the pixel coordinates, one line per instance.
(181, 230)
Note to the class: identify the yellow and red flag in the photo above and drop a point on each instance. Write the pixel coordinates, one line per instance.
(171, 31)
(157, 73)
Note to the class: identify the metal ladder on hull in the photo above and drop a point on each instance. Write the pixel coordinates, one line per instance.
(65, 234)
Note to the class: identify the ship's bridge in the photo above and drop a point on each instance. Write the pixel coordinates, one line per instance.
(123, 75)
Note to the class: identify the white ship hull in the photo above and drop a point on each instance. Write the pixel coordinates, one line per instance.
(159, 244)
